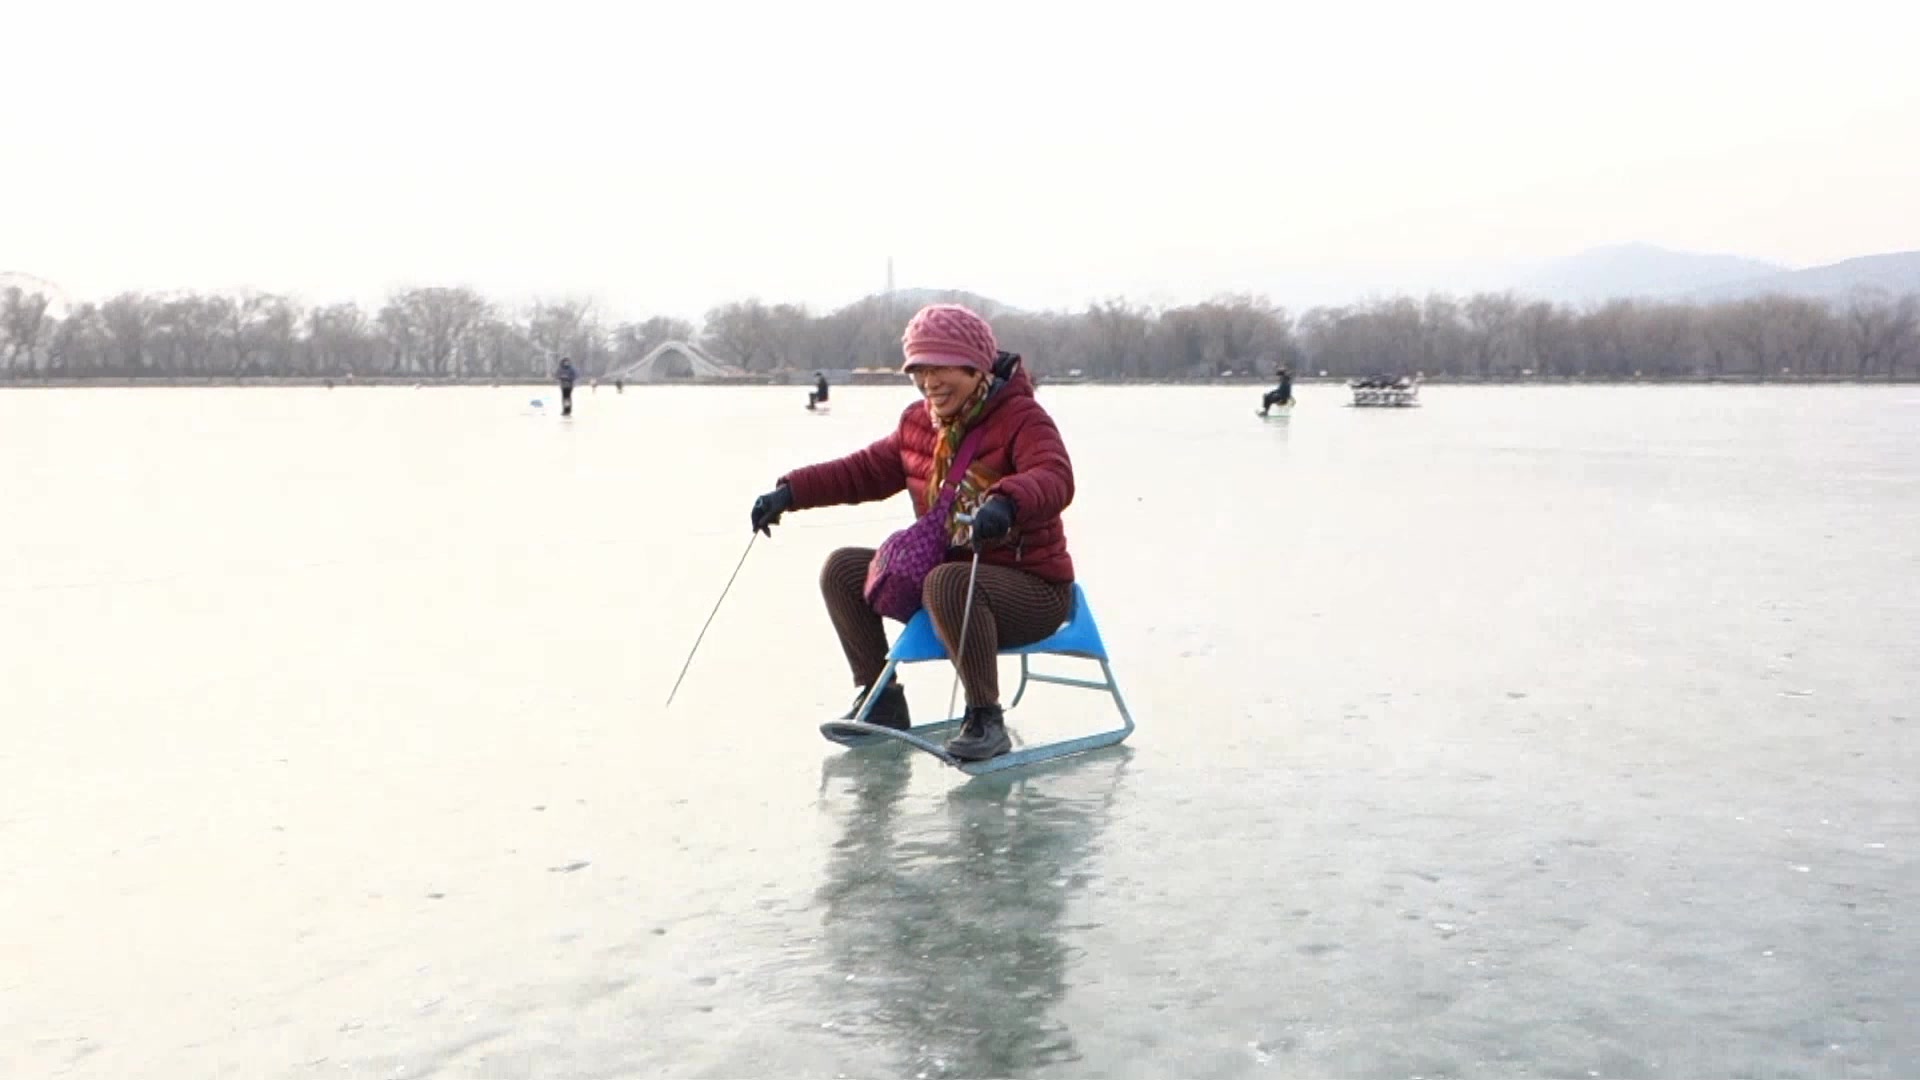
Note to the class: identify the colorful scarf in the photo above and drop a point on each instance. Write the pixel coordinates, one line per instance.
(947, 435)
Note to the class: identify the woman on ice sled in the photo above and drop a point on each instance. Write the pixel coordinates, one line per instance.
(977, 445)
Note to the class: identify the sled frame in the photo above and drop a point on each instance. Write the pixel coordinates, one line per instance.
(1079, 637)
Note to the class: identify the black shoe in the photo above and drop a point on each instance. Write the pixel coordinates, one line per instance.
(983, 735)
(889, 709)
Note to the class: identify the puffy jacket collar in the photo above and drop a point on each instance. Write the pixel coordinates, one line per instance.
(1010, 380)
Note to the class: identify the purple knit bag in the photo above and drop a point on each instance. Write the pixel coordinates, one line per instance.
(900, 567)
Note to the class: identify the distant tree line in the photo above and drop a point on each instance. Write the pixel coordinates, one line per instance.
(440, 333)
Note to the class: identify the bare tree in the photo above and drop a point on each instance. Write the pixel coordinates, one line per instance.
(1903, 349)
(80, 343)
(790, 338)
(569, 328)
(1663, 339)
(741, 332)
(1492, 323)
(1879, 329)
(187, 334)
(128, 319)
(24, 327)
(258, 332)
(340, 340)
(1808, 334)
(1443, 336)
(1545, 338)
(1606, 338)
(1121, 336)
(435, 331)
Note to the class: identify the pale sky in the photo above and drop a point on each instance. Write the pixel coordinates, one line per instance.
(661, 158)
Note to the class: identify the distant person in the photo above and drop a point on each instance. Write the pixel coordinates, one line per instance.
(619, 386)
(566, 375)
(1280, 395)
(819, 394)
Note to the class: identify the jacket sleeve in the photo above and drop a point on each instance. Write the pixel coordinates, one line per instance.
(1041, 483)
(863, 476)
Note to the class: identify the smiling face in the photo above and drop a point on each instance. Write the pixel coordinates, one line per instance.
(947, 389)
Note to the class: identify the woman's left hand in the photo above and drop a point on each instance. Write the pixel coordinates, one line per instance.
(993, 520)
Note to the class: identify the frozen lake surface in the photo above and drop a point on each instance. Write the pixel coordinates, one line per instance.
(1532, 732)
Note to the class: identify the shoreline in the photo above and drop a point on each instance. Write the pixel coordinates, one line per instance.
(121, 382)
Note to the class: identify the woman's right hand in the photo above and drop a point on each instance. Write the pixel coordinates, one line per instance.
(768, 508)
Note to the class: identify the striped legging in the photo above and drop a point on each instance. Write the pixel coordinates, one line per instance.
(1010, 608)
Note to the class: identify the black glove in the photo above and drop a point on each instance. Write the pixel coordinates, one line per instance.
(992, 520)
(768, 508)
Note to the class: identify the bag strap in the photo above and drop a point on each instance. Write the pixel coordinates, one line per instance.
(962, 458)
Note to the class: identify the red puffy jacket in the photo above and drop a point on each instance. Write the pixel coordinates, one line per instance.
(1020, 455)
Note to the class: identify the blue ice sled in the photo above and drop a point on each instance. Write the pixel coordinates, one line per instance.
(918, 643)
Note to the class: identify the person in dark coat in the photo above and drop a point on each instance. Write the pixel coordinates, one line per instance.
(1280, 395)
(566, 374)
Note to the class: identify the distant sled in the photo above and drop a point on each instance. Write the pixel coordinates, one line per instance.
(1381, 392)
(918, 643)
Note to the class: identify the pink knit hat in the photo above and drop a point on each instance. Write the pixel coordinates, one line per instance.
(949, 335)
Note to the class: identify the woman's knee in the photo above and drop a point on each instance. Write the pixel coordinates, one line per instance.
(944, 593)
(845, 571)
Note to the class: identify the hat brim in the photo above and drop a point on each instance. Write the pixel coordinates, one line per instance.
(936, 359)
